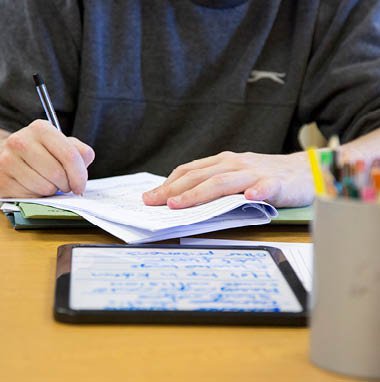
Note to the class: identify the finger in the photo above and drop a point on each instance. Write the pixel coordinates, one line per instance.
(86, 151)
(61, 148)
(213, 188)
(72, 162)
(10, 188)
(27, 177)
(38, 158)
(189, 180)
(279, 193)
(264, 189)
(194, 165)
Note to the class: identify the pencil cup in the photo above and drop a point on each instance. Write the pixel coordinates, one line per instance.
(345, 302)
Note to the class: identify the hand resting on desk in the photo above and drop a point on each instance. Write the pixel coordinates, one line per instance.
(38, 160)
(282, 180)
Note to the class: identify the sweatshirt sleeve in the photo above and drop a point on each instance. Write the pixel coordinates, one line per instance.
(44, 37)
(341, 89)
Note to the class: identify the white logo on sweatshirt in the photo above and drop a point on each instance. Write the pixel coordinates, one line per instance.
(257, 75)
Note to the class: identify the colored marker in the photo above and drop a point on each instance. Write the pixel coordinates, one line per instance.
(375, 177)
(335, 166)
(368, 194)
(361, 175)
(319, 185)
(349, 188)
(328, 178)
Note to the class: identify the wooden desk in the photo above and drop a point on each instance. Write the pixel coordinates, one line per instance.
(36, 348)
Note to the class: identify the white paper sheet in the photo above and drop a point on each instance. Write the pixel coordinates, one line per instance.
(136, 235)
(9, 207)
(115, 204)
(299, 255)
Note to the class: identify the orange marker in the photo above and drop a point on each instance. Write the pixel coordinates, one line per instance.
(375, 176)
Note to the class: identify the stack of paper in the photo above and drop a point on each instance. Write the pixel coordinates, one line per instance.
(115, 204)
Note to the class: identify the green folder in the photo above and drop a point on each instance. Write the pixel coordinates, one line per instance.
(299, 215)
(36, 216)
(38, 211)
(20, 223)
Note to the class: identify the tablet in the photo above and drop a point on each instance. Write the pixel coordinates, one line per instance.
(177, 284)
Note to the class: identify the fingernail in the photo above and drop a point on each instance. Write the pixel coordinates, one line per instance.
(174, 200)
(252, 194)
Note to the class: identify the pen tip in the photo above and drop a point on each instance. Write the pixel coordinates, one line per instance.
(38, 79)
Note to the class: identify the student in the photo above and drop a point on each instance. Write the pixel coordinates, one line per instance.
(150, 85)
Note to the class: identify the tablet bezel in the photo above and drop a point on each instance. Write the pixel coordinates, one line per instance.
(63, 312)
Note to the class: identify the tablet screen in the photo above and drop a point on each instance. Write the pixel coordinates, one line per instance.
(178, 279)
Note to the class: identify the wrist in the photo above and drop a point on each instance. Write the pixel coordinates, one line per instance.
(301, 164)
(300, 159)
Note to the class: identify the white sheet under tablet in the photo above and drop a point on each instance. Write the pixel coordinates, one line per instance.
(299, 255)
(178, 279)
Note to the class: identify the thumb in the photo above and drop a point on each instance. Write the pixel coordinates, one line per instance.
(264, 189)
(87, 153)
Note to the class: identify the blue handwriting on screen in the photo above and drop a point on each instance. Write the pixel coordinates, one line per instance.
(188, 279)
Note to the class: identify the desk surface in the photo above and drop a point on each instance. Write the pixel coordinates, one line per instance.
(36, 348)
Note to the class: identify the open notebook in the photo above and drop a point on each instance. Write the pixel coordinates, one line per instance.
(115, 205)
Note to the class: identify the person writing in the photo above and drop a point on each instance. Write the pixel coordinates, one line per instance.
(153, 85)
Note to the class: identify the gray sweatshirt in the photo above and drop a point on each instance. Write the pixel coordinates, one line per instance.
(151, 84)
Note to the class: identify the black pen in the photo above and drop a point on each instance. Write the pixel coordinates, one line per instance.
(46, 102)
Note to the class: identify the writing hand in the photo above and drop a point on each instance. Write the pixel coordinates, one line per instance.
(282, 180)
(38, 160)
